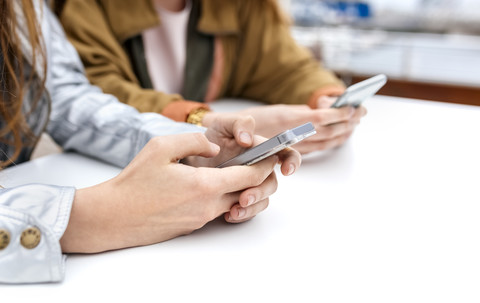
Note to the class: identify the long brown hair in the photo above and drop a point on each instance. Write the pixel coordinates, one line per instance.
(13, 81)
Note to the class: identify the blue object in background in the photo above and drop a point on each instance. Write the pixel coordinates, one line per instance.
(318, 12)
(355, 10)
(364, 10)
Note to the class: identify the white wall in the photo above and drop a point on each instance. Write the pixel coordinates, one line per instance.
(412, 6)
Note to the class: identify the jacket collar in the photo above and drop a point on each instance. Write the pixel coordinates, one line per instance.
(129, 18)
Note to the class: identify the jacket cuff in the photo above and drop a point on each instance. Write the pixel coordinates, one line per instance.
(179, 110)
(35, 217)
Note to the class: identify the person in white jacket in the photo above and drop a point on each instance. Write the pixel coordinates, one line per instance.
(43, 88)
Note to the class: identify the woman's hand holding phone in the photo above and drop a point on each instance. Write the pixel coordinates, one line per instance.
(333, 126)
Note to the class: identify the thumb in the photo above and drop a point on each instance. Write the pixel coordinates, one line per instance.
(325, 101)
(241, 127)
(181, 146)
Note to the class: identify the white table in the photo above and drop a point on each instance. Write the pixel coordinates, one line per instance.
(392, 216)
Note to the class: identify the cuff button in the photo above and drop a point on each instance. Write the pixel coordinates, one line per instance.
(4, 238)
(30, 237)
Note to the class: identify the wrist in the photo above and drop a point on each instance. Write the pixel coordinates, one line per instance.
(80, 235)
(92, 225)
(208, 118)
(197, 115)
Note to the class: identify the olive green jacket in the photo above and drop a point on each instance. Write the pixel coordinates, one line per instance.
(261, 61)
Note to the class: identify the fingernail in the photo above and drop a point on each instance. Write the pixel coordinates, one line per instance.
(250, 200)
(241, 213)
(291, 169)
(245, 138)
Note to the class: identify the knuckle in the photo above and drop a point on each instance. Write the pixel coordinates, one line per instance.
(201, 182)
(243, 120)
(248, 119)
(207, 186)
(199, 138)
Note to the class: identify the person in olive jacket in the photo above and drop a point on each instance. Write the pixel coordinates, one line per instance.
(157, 54)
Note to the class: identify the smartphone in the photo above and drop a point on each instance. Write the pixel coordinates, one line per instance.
(272, 146)
(357, 93)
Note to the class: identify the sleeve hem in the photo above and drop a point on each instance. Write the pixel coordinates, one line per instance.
(179, 110)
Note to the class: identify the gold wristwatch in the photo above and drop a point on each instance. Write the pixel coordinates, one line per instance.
(196, 116)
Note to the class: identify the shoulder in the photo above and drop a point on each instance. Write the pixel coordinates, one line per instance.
(267, 8)
(242, 13)
(124, 18)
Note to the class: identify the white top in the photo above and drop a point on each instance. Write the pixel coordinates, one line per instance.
(166, 49)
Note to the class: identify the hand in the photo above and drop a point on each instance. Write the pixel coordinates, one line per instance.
(333, 126)
(234, 133)
(155, 198)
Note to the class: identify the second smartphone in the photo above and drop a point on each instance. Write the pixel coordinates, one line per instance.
(355, 94)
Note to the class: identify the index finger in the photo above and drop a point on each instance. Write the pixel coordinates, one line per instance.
(179, 146)
(290, 160)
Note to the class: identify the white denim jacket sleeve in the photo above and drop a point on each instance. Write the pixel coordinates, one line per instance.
(82, 119)
(45, 207)
(88, 121)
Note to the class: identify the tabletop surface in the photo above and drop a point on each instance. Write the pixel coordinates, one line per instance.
(391, 216)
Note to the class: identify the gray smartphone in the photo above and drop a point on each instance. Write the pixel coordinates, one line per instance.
(355, 94)
(272, 146)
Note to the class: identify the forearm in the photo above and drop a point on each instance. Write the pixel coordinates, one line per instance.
(113, 215)
(294, 82)
(130, 92)
(95, 224)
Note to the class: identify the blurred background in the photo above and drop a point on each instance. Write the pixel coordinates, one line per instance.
(429, 49)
